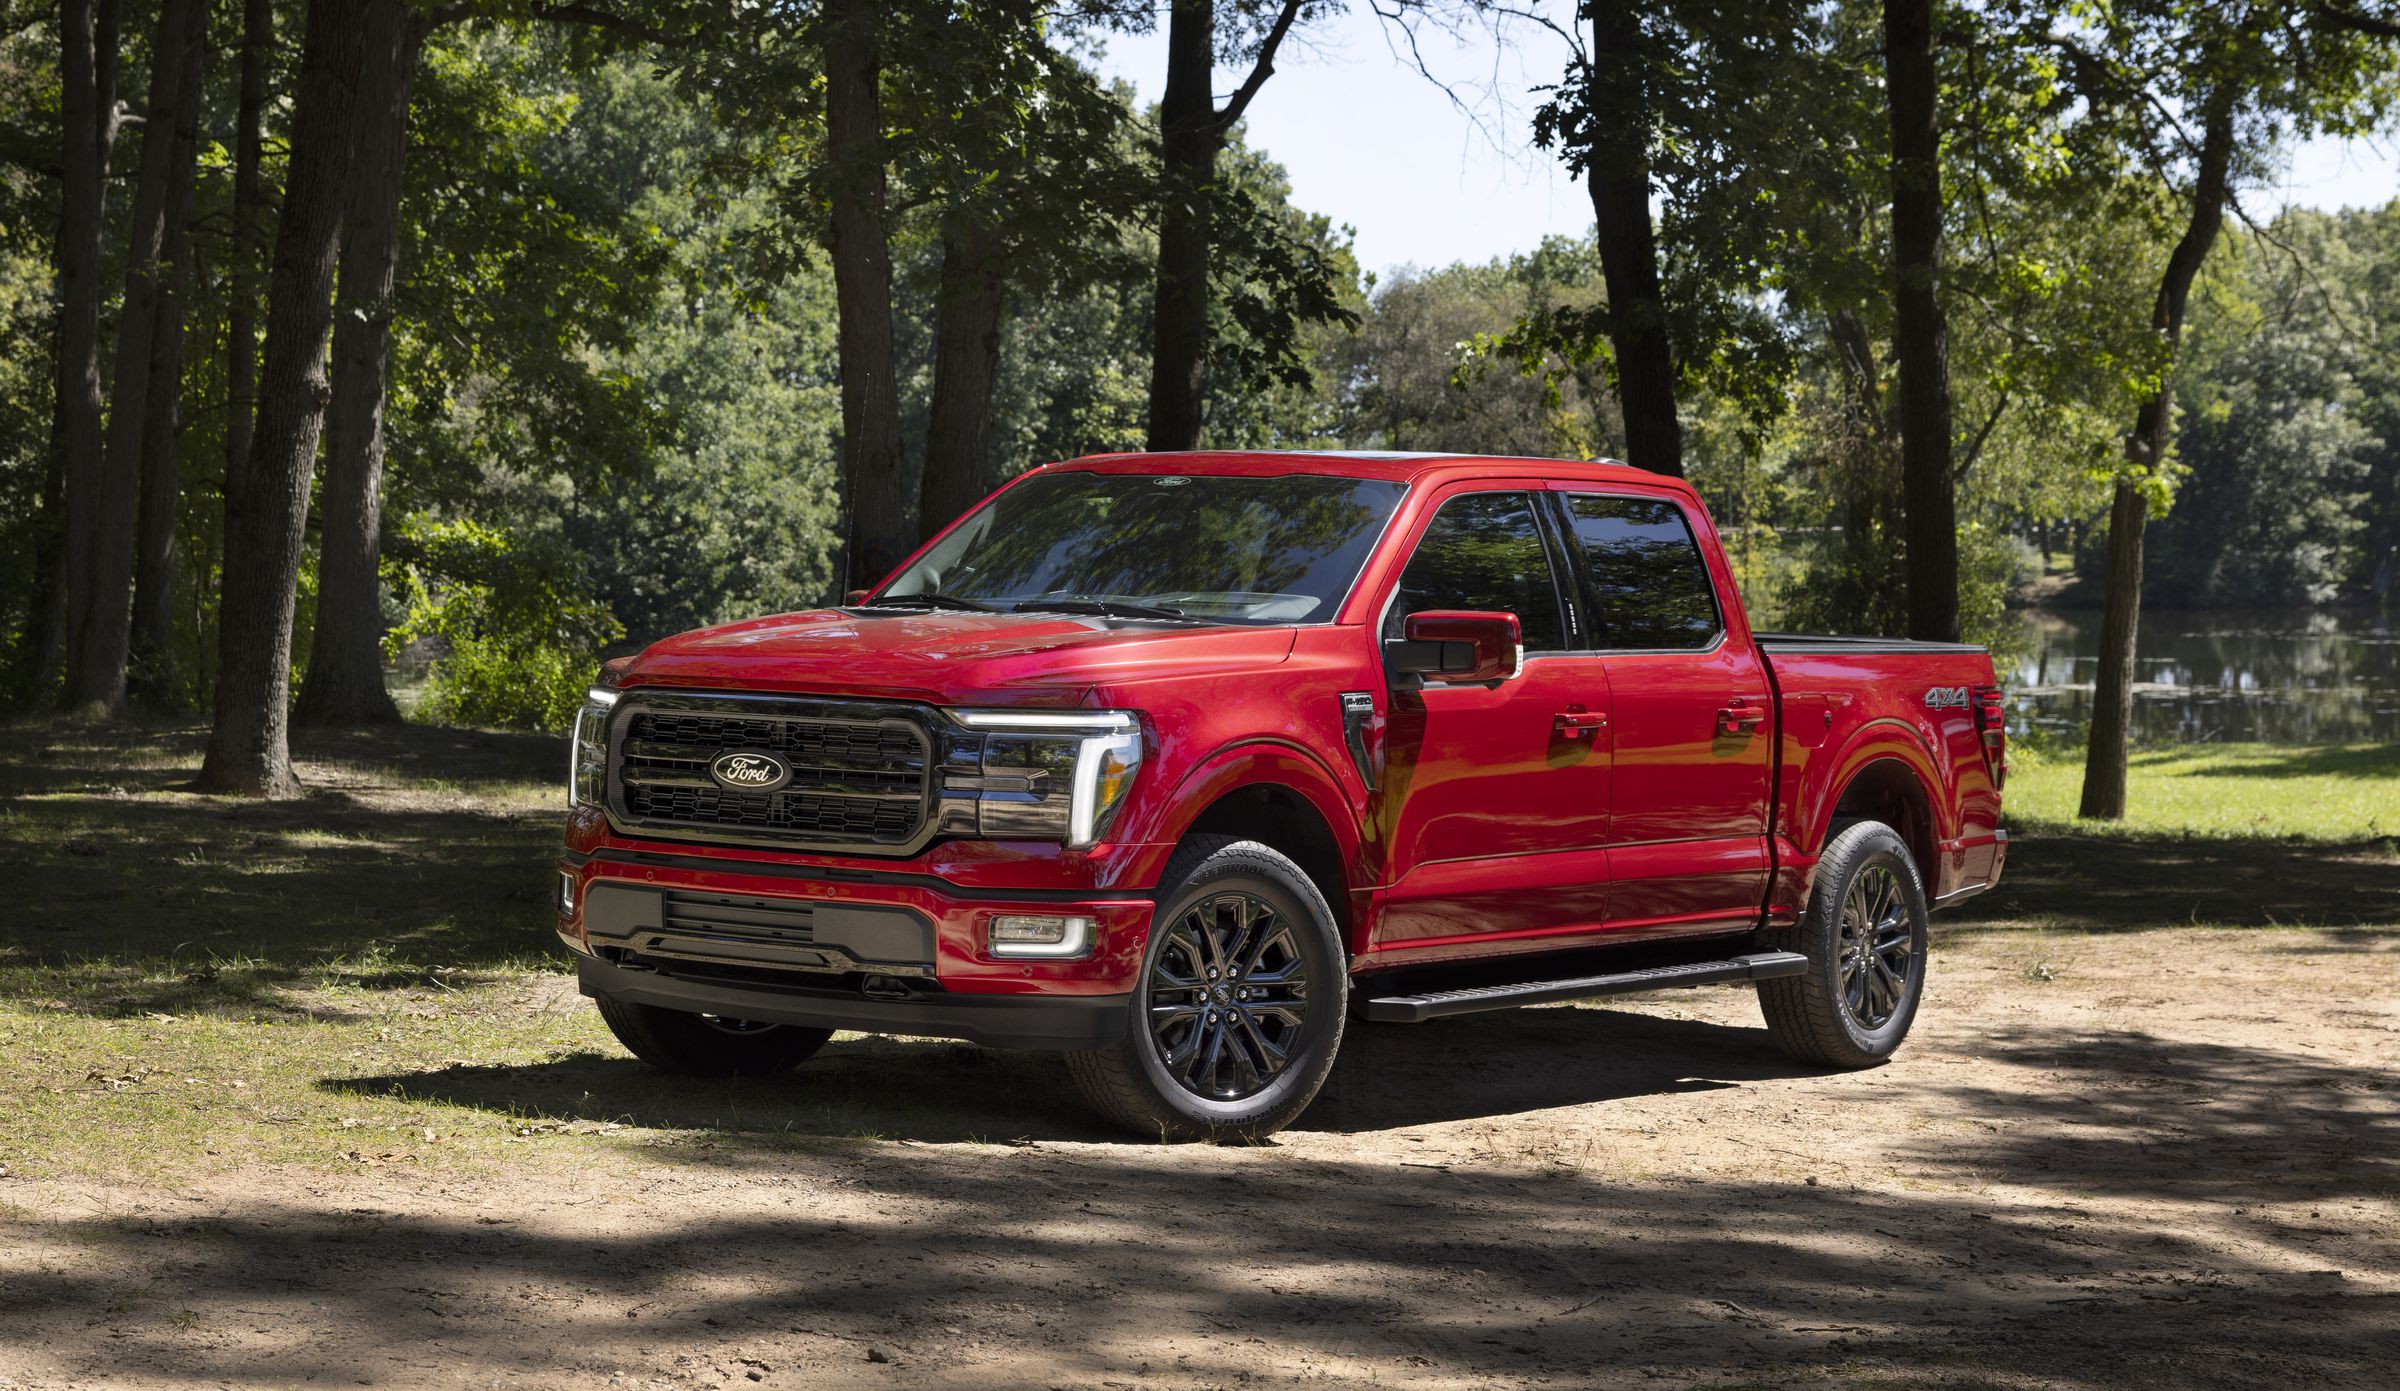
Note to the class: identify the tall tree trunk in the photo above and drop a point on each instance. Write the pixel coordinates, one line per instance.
(344, 685)
(1189, 137)
(100, 588)
(87, 128)
(266, 516)
(249, 243)
(152, 672)
(2146, 452)
(1619, 79)
(872, 459)
(966, 359)
(1920, 337)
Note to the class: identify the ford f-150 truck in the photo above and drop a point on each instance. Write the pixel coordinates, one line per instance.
(1181, 763)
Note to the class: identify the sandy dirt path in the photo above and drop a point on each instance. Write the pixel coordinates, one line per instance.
(2154, 1159)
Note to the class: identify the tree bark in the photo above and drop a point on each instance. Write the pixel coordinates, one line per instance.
(344, 685)
(966, 360)
(2146, 452)
(152, 669)
(100, 588)
(1189, 138)
(1644, 348)
(1920, 337)
(872, 458)
(249, 242)
(267, 515)
(87, 128)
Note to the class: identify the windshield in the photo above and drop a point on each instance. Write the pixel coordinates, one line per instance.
(1215, 548)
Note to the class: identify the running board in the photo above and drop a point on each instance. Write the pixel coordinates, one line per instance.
(1437, 1004)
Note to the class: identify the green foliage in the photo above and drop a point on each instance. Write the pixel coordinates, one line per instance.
(2276, 454)
(516, 633)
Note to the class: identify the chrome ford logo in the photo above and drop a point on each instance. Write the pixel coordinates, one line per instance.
(750, 772)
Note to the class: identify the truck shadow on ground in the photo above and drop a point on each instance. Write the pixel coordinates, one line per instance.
(1387, 1077)
(2123, 1256)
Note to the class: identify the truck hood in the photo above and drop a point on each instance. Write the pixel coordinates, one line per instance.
(948, 657)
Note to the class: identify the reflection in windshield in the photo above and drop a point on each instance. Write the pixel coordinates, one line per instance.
(1222, 549)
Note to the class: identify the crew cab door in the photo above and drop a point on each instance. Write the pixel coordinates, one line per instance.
(1690, 713)
(1495, 796)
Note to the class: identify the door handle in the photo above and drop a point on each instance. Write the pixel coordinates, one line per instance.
(1577, 722)
(1740, 717)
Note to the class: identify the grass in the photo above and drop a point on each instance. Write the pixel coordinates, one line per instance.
(366, 976)
(2342, 793)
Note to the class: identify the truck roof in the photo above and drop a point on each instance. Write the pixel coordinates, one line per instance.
(1358, 463)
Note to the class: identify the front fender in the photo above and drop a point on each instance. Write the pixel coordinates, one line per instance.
(1261, 762)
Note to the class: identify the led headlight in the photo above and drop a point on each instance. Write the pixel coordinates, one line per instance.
(1050, 774)
(587, 749)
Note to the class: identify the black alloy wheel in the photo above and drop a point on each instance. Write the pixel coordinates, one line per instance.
(1227, 997)
(1238, 1010)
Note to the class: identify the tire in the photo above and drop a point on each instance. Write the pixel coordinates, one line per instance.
(1283, 996)
(700, 1045)
(1859, 996)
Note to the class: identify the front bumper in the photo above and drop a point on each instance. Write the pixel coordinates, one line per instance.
(997, 1021)
(834, 946)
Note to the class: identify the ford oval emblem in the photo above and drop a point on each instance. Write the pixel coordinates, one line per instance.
(744, 771)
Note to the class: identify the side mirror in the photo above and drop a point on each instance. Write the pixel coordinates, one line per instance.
(854, 598)
(1458, 648)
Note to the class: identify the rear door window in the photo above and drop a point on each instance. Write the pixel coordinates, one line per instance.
(1650, 589)
(1484, 552)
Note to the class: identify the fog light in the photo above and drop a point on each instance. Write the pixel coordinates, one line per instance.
(566, 893)
(1040, 934)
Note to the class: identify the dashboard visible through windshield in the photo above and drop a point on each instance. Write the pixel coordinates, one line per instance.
(1197, 547)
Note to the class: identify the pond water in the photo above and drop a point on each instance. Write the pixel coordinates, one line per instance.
(2289, 676)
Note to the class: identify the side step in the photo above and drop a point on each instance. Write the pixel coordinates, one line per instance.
(1438, 1004)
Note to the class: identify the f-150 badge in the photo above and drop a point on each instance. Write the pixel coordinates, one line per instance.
(1946, 698)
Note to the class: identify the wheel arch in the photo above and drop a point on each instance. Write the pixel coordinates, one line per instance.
(1889, 789)
(1275, 795)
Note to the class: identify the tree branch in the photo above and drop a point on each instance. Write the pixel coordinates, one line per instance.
(593, 17)
(1260, 71)
(2346, 18)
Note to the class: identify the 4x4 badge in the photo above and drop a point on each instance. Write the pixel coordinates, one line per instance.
(1946, 698)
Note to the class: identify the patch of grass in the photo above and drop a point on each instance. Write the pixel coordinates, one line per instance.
(2342, 793)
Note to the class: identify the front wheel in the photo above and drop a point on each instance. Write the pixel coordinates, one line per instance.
(705, 1045)
(1864, 936)
(1239, 1011)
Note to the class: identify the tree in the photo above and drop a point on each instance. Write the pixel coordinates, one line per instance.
(1029, 179)
(266, 502)
(1921, 335)
(2244, 77)
(860, 245)
(1192, 133)
(151, 674)
(88, 122)
(100, 590)
(344, 684)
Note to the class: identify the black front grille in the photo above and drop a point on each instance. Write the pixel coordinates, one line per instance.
(858, 775)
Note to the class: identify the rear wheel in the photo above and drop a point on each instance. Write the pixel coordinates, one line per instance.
(706, 1045)
(1239, 1011)
(1864, 936)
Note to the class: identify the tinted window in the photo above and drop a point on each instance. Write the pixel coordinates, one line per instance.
(1484, 552)
(1212, 547)
(1648, 583)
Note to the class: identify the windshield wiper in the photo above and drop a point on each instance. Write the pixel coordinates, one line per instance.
(1111, 608)
(933, 600)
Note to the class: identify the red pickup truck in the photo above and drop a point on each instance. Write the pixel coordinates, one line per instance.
(1179, 763)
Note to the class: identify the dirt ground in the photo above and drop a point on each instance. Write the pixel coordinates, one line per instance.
(2140, 1159)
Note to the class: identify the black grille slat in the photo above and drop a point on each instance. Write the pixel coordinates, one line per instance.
(854, 781)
